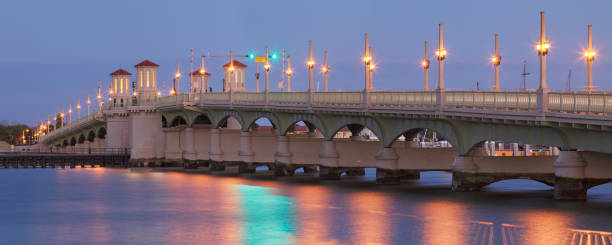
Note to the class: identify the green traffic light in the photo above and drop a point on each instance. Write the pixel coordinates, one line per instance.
(251, 56)
(274, 56)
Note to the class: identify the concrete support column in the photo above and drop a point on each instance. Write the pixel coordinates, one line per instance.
(492, 148)
(387, 167)
(246, 154)
(215, 154)
(465, 170)
(189, 153)
(569, 176)
(282, 157)
(328, 160)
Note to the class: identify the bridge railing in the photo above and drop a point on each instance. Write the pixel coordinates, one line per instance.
(338, 98)
(249, 98)
(289, 98)
(580, 102)
(489, 99)
(403, 98)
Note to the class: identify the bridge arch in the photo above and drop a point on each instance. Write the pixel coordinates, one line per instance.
(476, 133)
(177, 121)
(395, 128)
(202, 119)
(101, 133)
(310, 120)
(91, 136)
(338, 123)
(65, 143)
(73, 141)
(251, 119)
(81, 139)
(221, 117)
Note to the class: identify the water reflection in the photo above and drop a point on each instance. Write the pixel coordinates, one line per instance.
(267, 218)
(445, 222)
(314, 215)
(110, 206)
(369, 218)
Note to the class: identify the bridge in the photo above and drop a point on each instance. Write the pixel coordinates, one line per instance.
(218, 131)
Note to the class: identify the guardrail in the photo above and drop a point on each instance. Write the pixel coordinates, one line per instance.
(73, 150)
(567, 102)
(487, 99)
(580, 102)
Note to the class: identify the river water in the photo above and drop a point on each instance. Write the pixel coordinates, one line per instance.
(118, 206)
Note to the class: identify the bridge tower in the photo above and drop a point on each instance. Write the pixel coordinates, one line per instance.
(144, 121)
(234, 79)
(146, 83)
(200, 81)
(117, 114)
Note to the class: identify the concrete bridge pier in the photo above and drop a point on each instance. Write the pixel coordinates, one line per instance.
(246, 156)
(328, 161)
(387, 168)
(570, 176)
(215, 154)
(189, 153)
(464, 170)
(282, 157)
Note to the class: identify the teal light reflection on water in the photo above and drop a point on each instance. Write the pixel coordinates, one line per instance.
(267, 218)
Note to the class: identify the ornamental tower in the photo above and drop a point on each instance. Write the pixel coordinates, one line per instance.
(146, 83)
(120, 88)
(234, 76)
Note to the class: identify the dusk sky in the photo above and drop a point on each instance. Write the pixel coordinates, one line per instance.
(54, 53)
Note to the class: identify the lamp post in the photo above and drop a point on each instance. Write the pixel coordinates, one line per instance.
(543, 46)
(371, 68)
(99, 97)
(267, 68)
(441, 54)
(589, 55)
(289, 73)
(325, 71)
(88, 103)
(496, 60)
(177, 76)
(311, 64)
(366, 61)
(70, 113)
(78, 109)
(425, 65)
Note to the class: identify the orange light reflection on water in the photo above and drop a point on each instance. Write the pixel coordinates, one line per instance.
(545, 227)
(313, 215)
(445, 223)
(370, 218)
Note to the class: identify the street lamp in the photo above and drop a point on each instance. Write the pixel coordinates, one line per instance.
(325, 70)
(542, 47)
(70, 113)
(496, 60)
(367, 59)
(310, 64)
(441, 55)
(425, 65)
(88, 104)
(589, 56)
(289, 73)
(78, 109)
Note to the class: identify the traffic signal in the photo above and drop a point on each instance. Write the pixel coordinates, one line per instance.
(273, 56)
(251, 56)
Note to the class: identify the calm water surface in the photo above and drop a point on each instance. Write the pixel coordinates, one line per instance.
(111, 206)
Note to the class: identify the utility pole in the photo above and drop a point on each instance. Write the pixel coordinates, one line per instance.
(525, 74)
